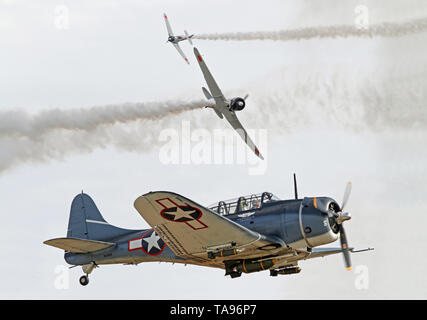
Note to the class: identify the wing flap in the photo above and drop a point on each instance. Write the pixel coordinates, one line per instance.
(190, 229)
(78, 245)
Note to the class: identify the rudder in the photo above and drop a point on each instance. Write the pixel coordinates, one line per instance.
(86, 222)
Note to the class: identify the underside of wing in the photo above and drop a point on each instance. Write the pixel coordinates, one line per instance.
(176, 45)
(195, 232)
(168, 26)
(78, 245)
(235, 123)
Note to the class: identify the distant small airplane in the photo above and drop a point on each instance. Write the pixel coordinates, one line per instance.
(175, 39)
(224, 107)
(243, 235)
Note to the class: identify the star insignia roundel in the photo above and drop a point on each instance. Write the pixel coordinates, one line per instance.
(150, 243)
(181, 213)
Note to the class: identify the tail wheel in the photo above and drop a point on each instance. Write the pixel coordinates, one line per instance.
(84, 280)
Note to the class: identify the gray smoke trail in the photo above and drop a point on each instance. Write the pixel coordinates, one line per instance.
(141, 135)
(291, 100)
(296, 98)
(386, 29)
(20, 123)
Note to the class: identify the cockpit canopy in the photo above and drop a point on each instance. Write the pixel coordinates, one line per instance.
(242, 204)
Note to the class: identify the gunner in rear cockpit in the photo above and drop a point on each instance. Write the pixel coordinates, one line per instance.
(243, 205)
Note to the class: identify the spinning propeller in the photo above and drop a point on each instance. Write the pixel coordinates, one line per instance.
(337, 217)
(340, 217)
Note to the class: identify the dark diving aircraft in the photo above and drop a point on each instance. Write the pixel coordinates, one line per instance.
(243, 235)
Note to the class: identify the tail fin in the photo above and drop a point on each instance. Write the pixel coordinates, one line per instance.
(188, 37)
(86, 222)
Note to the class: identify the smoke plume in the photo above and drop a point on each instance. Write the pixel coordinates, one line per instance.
(20, 123)
(385, 29)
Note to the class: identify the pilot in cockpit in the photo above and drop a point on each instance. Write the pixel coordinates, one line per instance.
(243, 205)
(256, 204)
(266, 197)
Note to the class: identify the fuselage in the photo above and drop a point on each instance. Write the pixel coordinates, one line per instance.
(176, 39)
(300, 223)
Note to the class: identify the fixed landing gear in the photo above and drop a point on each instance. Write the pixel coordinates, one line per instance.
(87, 268)
(84, 280)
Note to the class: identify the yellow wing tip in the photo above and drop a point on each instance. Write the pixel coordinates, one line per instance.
(349, 268)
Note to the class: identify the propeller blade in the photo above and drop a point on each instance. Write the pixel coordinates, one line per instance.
(246, 96)
(346, 195)
(344, 247)
(295, 187)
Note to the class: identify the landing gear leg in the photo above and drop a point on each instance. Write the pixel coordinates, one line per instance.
(87, 268)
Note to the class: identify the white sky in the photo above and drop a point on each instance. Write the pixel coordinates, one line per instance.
(334, 110)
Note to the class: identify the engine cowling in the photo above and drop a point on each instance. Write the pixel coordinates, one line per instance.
(237, 104)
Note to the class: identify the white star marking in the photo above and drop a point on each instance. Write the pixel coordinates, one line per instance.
(182, 214)
(152, 241)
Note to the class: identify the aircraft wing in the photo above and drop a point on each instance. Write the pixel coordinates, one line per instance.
(168, 26)
(235, 123)
(322, 252)
(176, 45)
(213, 86)
(192, 231)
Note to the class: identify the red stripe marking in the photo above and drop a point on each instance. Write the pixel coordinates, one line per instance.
(199, 58)
(257, 151)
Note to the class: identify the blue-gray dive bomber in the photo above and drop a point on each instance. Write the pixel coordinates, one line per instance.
(243, 235)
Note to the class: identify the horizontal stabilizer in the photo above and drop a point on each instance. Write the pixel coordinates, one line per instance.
(207, 93)
(78, 245)
(188, 37)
